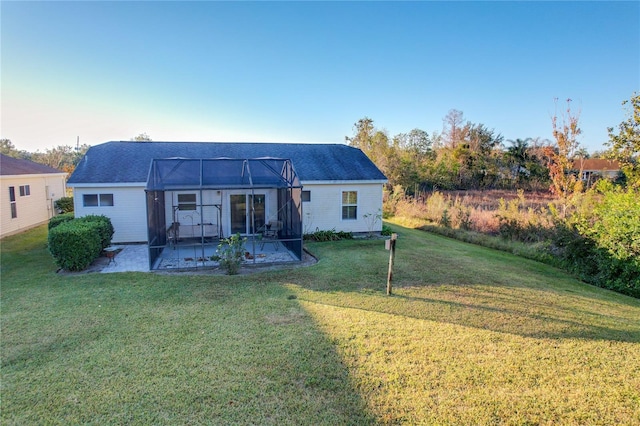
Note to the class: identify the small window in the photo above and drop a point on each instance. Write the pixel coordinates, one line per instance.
(90, 200)
(349, 205)
(106, 200)
(95, 200)
(186, 201)
(12, 199)
(306, 196)
(25, 190)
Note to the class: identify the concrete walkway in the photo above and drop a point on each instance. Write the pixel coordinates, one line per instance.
(132, 258)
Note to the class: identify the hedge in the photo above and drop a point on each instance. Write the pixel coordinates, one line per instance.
(105, 228)
(74, 244)
(64, 204)
(59, 219)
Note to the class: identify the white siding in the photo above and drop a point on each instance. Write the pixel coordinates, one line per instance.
(33, 209)
(128, 214)
(324, 211)
(209, 198)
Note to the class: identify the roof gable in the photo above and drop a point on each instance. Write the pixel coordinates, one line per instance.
(127, 162)
(17, 166)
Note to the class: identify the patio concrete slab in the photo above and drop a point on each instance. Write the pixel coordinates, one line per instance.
(131, 258)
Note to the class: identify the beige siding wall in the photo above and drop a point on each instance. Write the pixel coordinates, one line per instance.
(128, 214)
(33, 209)
(324, 211)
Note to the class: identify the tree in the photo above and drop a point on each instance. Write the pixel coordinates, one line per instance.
(453, 124)
(62, 157)
(417, 141)
(7, 148)
(142, 137)
(625, 146)
(518, 156)
(363, 136)
(563, 182)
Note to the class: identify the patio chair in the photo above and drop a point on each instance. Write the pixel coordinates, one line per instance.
(270, 234)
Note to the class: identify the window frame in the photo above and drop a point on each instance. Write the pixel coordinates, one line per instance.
(105, 200)
(349, 206)
(99, 197)
(25, 190)
(12, 202)
(188, 206)
(305, 196)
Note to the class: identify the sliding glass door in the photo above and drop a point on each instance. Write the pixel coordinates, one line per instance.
(241, 209)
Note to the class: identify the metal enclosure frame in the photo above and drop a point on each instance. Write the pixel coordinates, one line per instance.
(169, 175)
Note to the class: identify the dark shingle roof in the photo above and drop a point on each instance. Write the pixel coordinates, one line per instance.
(17, 166)
(122, 162)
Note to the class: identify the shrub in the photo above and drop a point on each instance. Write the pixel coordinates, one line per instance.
(445, 220)
(230, 252)
(386, 231)
(328, 235)
(600, 241)
(64, 204)
(105, 228)
(75, 244)
(59, 219)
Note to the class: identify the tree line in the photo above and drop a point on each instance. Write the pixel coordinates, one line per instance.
(61, 157)
(468, 155)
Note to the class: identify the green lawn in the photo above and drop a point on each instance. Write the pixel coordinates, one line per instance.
(471, 336)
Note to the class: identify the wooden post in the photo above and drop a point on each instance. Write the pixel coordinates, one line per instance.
(392, 255)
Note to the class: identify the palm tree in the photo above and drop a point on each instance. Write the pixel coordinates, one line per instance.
(518, 153)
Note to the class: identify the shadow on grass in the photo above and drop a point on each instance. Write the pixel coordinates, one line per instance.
(209, 350)
(504, 320)
(444, 280)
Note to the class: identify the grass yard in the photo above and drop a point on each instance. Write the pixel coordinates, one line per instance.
(471, 336)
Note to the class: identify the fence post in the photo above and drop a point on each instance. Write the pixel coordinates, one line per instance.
(392, 255)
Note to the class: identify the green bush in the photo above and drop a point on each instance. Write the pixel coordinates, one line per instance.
(59, 219)
(386, 230)
(105, 228)
(64, 204)
(600, 242)
(230, 253)
(75, 244)
(328, 235)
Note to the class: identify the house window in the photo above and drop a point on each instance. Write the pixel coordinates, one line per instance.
(306, 196)
(90, 200)
(349, 205)
(12, 202)
(186, 201)
(106, 200)
(95, 200)
(25, 190)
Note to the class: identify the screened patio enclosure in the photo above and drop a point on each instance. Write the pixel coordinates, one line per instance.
(194, 203)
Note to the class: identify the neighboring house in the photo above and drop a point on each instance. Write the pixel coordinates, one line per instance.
(29, 191)
(218, 189)
(592, 169)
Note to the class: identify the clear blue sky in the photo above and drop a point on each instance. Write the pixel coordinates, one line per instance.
(307, 71)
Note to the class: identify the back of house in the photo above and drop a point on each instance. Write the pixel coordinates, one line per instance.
(28, 193)
(218, 189)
